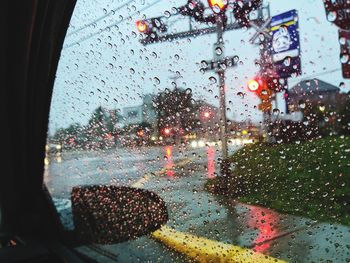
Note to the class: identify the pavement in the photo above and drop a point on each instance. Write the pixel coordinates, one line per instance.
(217, 229)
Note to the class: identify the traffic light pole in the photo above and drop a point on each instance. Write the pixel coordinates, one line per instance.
(222, 95)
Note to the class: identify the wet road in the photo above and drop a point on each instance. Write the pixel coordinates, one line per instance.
(192, 209)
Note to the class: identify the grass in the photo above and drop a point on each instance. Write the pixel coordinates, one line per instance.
(310, 179)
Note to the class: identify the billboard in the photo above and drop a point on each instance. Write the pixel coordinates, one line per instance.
(285, 44)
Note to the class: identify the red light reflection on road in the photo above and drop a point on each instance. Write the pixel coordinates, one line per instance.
(266, 222)
(169, 161)
(211, 162)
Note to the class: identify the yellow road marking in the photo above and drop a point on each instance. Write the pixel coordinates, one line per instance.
(205, 250)
(140, 183)
(198, 248)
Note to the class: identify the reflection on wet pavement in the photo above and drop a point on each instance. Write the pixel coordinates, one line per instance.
(194, 210)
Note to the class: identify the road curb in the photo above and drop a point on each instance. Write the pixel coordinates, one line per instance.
(205, 250)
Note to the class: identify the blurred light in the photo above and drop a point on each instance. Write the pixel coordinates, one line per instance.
(160, 138)
(142, 26)
(46, 161)
(244, 132)
(322, 108)
(169, 161)
(167, 131)
(206, 114)
(201, 143)
(222, 4)
(253, 85)
(140, 133)
(211, 162)
(194, 144)
(168, 152)
(153, 138)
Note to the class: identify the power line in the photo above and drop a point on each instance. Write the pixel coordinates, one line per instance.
(112, 25)
(100, 18)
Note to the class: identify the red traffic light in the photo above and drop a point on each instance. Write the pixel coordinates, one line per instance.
(218, 5)
(142, 26)
(166, 131)
(206, 114)
(253, 85)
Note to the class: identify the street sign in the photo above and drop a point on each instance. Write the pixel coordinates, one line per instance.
(218, 65)
(344, 41)
(265, 106)
(284, 46)
(338, 12)
(260, 30)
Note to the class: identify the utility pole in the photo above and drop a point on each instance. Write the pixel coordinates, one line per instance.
(156, 30)
(222, 95)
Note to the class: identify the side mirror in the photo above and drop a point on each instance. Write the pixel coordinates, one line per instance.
(112, 214)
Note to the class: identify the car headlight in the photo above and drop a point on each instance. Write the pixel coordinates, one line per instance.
(194, 144)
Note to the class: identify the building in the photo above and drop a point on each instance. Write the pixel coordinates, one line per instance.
(144, 113)
(309, 93)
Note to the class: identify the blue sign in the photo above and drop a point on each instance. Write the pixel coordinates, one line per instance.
(285, 44)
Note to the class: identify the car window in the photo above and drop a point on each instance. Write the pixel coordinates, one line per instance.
(235, 113)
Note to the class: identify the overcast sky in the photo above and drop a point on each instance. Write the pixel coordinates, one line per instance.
(114, 70)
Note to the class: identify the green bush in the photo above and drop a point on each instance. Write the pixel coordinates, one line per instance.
(310, 179)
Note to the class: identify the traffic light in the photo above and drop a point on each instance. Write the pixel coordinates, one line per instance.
(167, 131)
(218, 6)
(253, 85)
(143, 26)
(206, 114)
(260, 87)
(151, 27)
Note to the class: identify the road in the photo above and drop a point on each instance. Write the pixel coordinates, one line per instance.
(178, 176)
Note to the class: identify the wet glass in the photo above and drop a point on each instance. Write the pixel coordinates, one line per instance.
(236, 113)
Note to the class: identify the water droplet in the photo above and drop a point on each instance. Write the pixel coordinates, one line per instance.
(276, 111)
(212, 79)
(287, 61)
(261, 37)
(342, 40)
(218, 50)
(332, 16)
(241, 95)
(167, 14)
(156, 80)
(344, 58)
(204, 64)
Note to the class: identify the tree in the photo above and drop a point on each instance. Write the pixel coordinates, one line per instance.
(176, 109)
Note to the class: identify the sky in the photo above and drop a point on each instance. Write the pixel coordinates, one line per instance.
(113, 69)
